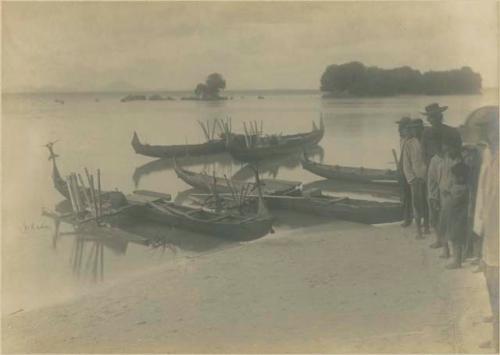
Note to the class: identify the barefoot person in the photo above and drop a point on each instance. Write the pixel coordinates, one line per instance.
(456, 230)
(451, 156)
(419, 131)
(403, 183)
(433, 196)
(415, 172)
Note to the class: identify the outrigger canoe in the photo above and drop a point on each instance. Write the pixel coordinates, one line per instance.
(250, 148)
(205, 182)
(310, 202)
(213, 146)
(337, 172)
(157, 207)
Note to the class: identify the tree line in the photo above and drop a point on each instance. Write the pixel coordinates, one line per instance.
(356, 79)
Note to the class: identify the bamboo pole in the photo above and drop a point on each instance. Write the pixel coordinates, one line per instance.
(94, 197)
(92, 192)
(71, 198)
(102, 261)
(76, 192)
(202, 125)
(99, 191)
(214, 125)
(85, 194)
(246, 135)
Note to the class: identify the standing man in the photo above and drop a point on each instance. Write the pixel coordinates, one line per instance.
(403, 183)
(415, 172)
(432, 137)
(487, 223)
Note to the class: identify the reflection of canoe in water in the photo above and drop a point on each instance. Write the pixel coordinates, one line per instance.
(272, 166)
(312, 201)
(337, 172)
(255, 148)
(170, 151)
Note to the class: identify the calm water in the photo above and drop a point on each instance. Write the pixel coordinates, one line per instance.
(38, 270)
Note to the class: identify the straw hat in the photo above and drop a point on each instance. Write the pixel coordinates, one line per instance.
(434, 108)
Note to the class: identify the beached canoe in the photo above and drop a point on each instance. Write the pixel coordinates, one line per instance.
(169, 151)
(207, 183)
(286, 195)
(250, 148)
(164, 164)
(337, 172)
(232, 226)
(343, 208)
(155, 206)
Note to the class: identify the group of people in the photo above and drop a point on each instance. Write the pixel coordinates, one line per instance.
(453, 189)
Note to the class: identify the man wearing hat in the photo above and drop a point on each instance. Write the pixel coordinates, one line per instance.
(432, 137)
(403, 183)
(415, 172)
(486, 224)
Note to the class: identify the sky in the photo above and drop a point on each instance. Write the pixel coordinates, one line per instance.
(95, 46)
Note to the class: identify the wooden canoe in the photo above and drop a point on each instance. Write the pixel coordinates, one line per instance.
(169, 151)
(342, 208)
(204, 182)
(232, 226)
(286, 195)
(163, 164)
(259, 148)
(155, 206)
(337, 172)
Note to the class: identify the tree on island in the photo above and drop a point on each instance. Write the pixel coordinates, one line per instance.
(355, 79)
(211, 88)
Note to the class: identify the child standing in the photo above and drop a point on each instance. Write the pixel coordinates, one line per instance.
(451, 156)
(433, 195)
(456, 231)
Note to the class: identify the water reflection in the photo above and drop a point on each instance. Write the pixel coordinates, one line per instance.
(90, 241)
(271, 167)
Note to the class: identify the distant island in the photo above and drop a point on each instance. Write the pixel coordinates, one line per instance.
(210, 89)
(356, 79)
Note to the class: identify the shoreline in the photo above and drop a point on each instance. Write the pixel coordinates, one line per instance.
(302, 291)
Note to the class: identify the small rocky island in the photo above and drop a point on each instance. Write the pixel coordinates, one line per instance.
(210, 89)
(133, 98)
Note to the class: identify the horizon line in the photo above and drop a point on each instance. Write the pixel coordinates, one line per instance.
(142, 91)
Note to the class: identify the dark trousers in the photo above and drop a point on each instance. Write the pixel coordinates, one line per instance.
(491, 274)
(406, 200)
(426, 212)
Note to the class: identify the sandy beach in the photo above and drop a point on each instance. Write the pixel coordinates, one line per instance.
(333, 288)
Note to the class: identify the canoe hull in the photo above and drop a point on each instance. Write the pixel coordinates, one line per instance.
(350, 174)
(360, 211)
(242, 231)
(170, 151)
(242, 153)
